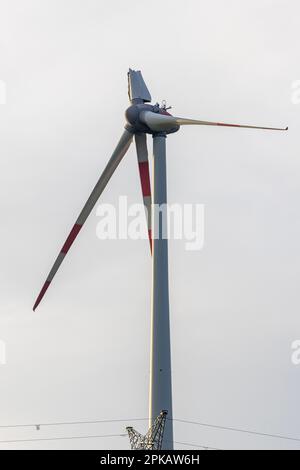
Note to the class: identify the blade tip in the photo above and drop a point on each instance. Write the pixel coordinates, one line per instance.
(41, 295)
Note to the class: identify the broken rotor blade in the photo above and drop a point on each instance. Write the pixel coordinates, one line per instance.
(137, 88)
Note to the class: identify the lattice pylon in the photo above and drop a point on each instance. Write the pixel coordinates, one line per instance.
(153, 440)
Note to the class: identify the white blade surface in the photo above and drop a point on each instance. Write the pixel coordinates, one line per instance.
(190, 122)
(163, 122)
(113, 163)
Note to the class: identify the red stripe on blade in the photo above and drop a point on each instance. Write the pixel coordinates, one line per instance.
(150, 239)
(145, 178)
(73, 234)
(41, 294)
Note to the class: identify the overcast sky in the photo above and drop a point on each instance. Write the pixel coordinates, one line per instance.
(84, 355)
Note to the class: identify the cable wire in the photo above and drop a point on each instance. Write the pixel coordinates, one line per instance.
(71, 423)
(62, 438)
(185, 421)
(245, 431)
(195, 445)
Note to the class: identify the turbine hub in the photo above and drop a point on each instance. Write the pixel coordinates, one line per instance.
(134, 122)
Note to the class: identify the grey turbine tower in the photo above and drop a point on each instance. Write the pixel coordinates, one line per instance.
(143, 118)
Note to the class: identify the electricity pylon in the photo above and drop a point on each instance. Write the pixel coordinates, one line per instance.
(153, 440)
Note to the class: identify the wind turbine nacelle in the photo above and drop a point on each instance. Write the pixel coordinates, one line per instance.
(150, 119)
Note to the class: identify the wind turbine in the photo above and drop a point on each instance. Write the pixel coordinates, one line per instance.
(143, 118)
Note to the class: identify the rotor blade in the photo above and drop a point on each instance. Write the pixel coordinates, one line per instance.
(183, 122)
(158, 122)
(113, 163)
(164, 122)
(137, 89)
(143, 162)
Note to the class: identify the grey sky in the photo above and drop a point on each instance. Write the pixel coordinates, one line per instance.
(234, 305)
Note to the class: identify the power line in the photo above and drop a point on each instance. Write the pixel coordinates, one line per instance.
(66, 423)
(203, 447)
(97, 437)
(63, 438)
(71, 423)
(195, 445)
(105, 421)
(245, 431)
